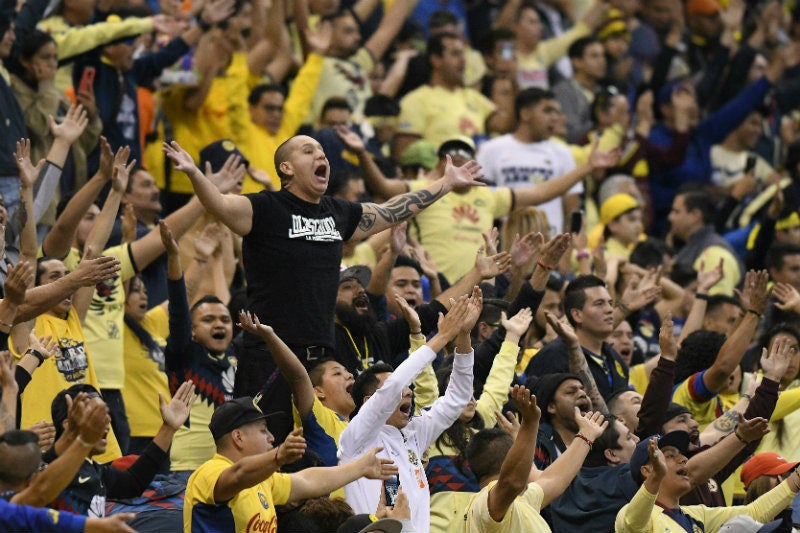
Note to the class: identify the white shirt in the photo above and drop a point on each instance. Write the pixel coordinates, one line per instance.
(518, 165)
(368, 429)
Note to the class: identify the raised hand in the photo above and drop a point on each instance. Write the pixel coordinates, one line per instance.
(374, 467)
(563, 329)
(209, 241)
(599, 259)
(179, 157)
(525, 250)
(709, 278)
(72, 126)
(7, 366)
(599, 159)
(400, 511)
(250, 323)
(517, 324)
(526, 405)
(775, 361)
(491, 239)
(592, 424)
(491, 266)
(106, 167)
(292, 449)
(94, 422)
(47, 346)
(450, 324)
(351, 139)
(639, 293)
(215, 11)
(666, 339)
(657, 461)
(120, 176)
(230, 177)
(175, 413)
(46, 432)
(399, 237)
(787, 297)
(508, 423)
(409, 313)
(753, 429)
(474, 307)
(319, 40)
(20, 277)
(93, 271)
(467, 175)
(555, 248)
(27, 172)
(167, 239)
(755, 290)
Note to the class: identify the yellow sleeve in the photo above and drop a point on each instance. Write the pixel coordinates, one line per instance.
(71, 41)
(610, 138)
(202, 483)
(788, 402)
(731, 275)
(298, 103)
(426, 387)
(412, 118)
(236, 87)
(363, 58)
(502, 201)
(156, 322)
(495, 391)
(280, 487)
(635, 516)
(123, 253)
(763, 509)
(551, 50)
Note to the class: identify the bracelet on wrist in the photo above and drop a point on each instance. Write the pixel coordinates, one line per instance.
(37, 354)
(585, 439)
(416, 332)
(544, 265)
(624, 308)
(759, 315)
(741, 439)
(746, 396)
(277, 452)
(701, 296)
(582, 254)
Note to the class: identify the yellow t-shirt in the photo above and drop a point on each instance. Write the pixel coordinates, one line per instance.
(144, 376)
(638, 378)
(362, 255)
(105, 320)
(214, 120)
(730, 272)
(437, 114)
(193, 446)
(252, 509)
(523, 515)
(704, 404)
(347, 78)
(71, 365)
(447, 510)
(450, 228)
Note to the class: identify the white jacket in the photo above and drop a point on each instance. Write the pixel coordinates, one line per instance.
(368, 429)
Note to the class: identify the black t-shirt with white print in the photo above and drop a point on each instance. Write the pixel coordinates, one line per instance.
(292, 257)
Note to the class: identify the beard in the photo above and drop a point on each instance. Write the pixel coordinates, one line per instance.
(359, 324)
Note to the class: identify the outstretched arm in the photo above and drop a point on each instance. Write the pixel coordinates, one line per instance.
(233, 210)
(376, 218)
(289, 365)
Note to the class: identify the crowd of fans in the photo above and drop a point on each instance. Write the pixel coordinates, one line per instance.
(402, 265)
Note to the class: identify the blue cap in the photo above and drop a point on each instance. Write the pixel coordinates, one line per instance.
(641, 456)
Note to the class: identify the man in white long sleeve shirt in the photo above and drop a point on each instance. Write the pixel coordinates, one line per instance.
(384, 417)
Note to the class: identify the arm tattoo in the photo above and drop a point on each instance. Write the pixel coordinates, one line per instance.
(400, 208)
(578, 366)
(727, 421)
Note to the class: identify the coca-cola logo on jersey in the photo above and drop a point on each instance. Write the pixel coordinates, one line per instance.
(262, 526)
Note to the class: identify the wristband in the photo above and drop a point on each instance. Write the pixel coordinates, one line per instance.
(735, 432)
(746, 396)
(277, 450)
(37, 354)
(583, 254)
(700, 296)
(544, 265)
(759, 315)
(624, 308)
(416, 332)
(585, 439)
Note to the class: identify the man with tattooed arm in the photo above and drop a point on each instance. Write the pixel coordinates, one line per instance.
(292, 251)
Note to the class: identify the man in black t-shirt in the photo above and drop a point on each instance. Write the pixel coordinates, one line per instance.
(292, 252)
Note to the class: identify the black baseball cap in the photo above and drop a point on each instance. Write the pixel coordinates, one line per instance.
(218, 152)
(234, 414)
(673, 410)
(641, 456)
(358, 272)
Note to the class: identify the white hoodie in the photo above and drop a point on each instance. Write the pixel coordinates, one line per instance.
(368, 429)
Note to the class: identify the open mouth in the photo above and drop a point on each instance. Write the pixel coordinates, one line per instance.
(683, 472)
(412, 302)
(349, 387)
(405, 408)
(361, 303)
(583, 406)
(626, 352)
(218, 335)
(321, 171)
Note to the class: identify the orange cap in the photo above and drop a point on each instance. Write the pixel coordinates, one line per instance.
(702, 7)
(765, 464)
